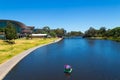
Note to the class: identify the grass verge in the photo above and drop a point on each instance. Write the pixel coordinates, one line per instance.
(7, 51)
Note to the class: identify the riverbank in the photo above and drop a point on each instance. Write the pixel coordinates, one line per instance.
(114, 39)
(106, 38)
(7, 66)
(7, 51)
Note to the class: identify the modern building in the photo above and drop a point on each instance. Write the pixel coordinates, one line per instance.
(21, 28)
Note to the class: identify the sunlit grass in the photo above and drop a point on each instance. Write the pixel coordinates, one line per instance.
(7, 51)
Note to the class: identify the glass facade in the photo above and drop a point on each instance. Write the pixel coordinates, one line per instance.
(18, 28)
(3, 24)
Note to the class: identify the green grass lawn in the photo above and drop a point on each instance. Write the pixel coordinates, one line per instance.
(7, 51)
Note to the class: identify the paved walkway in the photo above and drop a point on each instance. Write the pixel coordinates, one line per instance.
(7, 66)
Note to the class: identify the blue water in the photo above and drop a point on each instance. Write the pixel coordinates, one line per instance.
(90, 60)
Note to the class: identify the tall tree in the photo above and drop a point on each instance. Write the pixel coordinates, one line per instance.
(2, 29)
(46, 29)
(10, 31)
(102, 32)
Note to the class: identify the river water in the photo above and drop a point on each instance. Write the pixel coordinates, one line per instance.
(90, 60)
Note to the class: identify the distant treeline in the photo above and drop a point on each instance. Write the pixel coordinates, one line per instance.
(59, 32)
(74, 33)
(103, 33)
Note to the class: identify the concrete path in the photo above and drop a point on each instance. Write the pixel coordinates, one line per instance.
(7, 66)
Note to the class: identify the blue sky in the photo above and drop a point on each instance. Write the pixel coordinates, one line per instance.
(72, 15)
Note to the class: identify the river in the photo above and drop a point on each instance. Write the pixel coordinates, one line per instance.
(90, 60)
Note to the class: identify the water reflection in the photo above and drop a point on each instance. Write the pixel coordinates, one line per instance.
(67, 75)
(90, 42)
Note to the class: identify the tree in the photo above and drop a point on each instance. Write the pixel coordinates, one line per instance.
(52, 33)
(108, 33)
(102, 32)
(60, 32)
(91, 32)
(46, 29)
(74, 33)
(115, 32)
(10, 32)
(2, 29)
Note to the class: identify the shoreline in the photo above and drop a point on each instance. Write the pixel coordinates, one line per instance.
(104, 38)
(6, 67)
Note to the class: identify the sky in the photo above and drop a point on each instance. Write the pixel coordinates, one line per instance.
(72, 15)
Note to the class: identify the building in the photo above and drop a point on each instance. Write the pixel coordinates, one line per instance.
(21, 28)
(39, 35)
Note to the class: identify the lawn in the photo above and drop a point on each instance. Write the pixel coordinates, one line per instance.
(7, 51)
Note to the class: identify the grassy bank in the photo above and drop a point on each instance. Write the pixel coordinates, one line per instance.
(7, 51)
(107, 38)
(114, 39)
